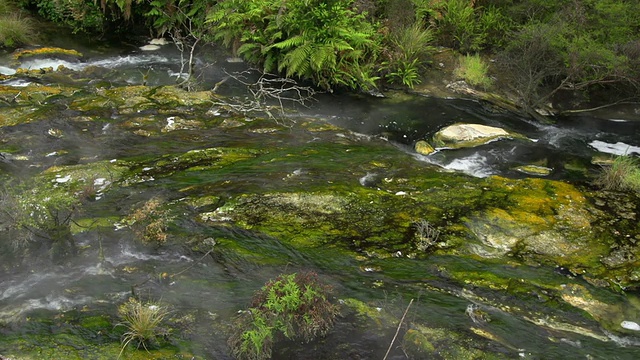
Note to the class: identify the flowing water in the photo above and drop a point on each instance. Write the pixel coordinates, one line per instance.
(214, 287)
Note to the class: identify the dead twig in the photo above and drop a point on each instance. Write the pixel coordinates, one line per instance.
(397, 330)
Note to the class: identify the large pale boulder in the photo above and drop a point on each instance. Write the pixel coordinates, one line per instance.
(469, 135)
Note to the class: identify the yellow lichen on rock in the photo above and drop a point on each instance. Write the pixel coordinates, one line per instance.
(45, 51)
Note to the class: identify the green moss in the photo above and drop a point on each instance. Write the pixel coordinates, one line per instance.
(370, 314)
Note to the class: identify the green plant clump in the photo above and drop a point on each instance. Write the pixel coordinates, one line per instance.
(623, 175)
(295, 306)
(144, 323)
(474, 71)
(15, 28)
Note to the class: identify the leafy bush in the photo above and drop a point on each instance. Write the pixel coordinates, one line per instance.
(295, 306)
(79, 15)
(150, 222)
(623, 175)
(473, 69)
(462, 26)
(323, 41)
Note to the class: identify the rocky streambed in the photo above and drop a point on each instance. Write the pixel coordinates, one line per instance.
(175, 196)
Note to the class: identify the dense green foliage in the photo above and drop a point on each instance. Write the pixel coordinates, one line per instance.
(295, 306)
(325, 41)
(541, 46)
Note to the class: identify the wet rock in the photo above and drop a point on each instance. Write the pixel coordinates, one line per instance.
(610, 314)
(534, 170)
(60, 53)
(423, 148)
(178, 123)
(469, 135)
(537, 220)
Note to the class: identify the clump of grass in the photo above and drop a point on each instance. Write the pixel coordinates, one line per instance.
(411, 50)
(474, 70)
(623, 175)
(144, 323)
(15, 29)
(295, 305)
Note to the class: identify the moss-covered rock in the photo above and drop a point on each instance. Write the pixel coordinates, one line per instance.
(423, 148)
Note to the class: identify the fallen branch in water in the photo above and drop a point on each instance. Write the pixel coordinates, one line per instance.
(397, 330)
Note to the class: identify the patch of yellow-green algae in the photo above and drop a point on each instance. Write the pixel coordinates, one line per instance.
(140, 97)
(45, 51)
(423, 342)
(547, 220)
(104, 172)
(28, 103)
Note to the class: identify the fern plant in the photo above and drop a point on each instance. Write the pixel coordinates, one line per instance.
(322, 41)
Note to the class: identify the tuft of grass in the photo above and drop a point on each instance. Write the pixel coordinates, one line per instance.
(411, 50)
(623, 175)
(16, 30)
(474, 70)
(144, 323)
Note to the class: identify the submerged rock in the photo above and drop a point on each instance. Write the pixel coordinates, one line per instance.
(534, 170)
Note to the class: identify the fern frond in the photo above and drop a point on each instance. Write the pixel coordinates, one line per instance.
(339, 45)
(297, 61)
(290, 42)
(322, 56)
(248, 49)
(270, 61)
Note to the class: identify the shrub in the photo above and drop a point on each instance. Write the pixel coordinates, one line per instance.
(295, 306)
(623, 174)
(144, 323)
(326, 42)
(426, 235)
(474, 71)
(150, 222)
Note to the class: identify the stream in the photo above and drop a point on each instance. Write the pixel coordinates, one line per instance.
(207, 286)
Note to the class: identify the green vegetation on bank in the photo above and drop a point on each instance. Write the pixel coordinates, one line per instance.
(15, 27)
(540, 47)
(623, 174)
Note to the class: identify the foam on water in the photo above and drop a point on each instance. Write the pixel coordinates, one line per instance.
(6, 70)
(52, 63)
(618, 148)
(109, 63)
(474, 165)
